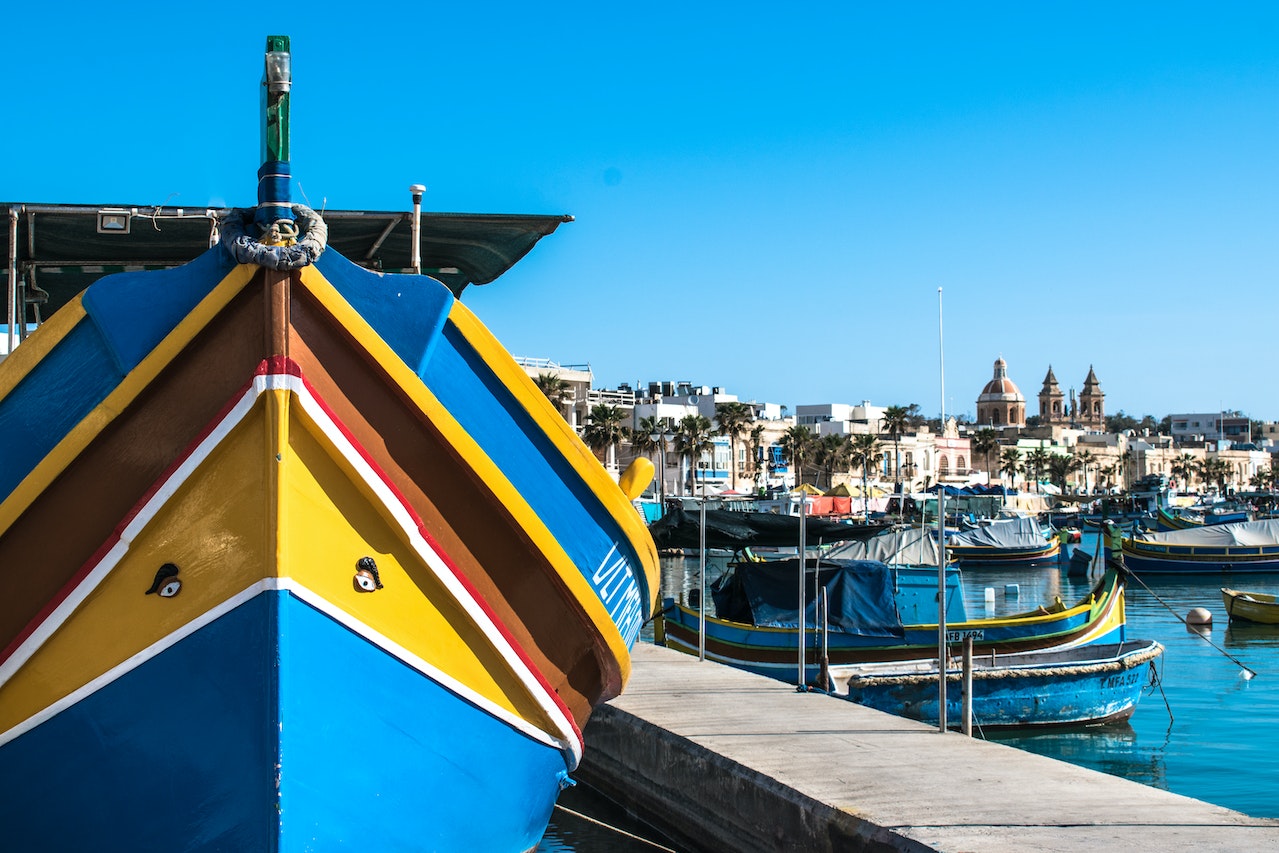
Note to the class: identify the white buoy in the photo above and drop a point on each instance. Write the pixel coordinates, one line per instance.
(990, 595)
(1012, 590)
(1199, 616)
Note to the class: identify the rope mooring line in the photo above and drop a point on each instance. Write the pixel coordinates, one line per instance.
(1251, 672)
(616, 829)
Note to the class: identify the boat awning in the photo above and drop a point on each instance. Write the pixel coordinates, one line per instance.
(62, 249)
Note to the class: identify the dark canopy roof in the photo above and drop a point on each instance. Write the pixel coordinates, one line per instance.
(61, 251)
(726, 528)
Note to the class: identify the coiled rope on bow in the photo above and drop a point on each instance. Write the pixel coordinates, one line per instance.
(282, 245)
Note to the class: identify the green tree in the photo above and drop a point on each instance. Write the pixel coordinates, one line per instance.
(1036, 463)
(758, 464)
(866, 450)
(1184, 466)
(605, 430)
(796, 444)
(732, 420)
(831, 453)
(555, 388)
(1086, 457)
(692, 439)
(1060, 467)
(1010, 464)
(647, 439)
(895, 421)
(985, 441)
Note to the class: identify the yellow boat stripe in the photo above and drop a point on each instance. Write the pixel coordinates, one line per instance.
(565, 440)
(71, 445)
(472, 455)
(19, 363)
(233, 560)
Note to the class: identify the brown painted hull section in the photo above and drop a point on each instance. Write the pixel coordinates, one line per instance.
(69, 522)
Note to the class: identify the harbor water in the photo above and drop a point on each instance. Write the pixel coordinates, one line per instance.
(1204, 731)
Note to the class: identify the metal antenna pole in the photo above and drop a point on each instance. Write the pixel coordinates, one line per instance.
(941, 541)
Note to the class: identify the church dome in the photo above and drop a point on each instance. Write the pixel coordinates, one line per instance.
(1000, 388)
(1001, 402)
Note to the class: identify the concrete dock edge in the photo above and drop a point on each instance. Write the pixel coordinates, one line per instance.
(722, 760)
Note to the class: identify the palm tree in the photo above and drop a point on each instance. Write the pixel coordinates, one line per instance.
(1036, 462)
(1086, 458)
(647, 439)
(1059, 468)
(984, 441)
(833, 453)
(732, 420)
(757, 447)
(556, 389)
(692, 439)
(865, 450)
(796, 444)
(894, 422)
(605, 430)
(1184, 466)
(1010, 461)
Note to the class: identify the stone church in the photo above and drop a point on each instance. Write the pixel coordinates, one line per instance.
(1001, 403)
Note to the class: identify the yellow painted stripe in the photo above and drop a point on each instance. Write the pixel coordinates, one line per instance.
(226, 528)
(565, 440)
(129, 388)
(18, 364)
(504, 492)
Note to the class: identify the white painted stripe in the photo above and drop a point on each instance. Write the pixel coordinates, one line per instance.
(441, 569)
(320, 604)
(567, 739)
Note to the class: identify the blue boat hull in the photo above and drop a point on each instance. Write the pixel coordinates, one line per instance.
(275, 728)
(1091, 686)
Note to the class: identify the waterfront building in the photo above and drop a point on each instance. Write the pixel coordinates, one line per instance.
(1209, 426)
(841, 418)
(1088, 412)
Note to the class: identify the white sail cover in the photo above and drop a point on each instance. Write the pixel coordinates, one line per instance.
(1249, 533)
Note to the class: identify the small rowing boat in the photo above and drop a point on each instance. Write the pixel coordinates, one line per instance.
(1258, 607)
(1084, 686)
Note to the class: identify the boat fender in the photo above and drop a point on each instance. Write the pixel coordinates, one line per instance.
(311, 238)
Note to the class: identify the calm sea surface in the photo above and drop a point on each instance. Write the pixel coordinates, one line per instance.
(1212, 739)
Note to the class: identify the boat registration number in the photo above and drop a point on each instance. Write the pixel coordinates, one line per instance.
(960, 636)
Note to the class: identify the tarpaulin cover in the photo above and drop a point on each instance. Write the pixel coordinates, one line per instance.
(860, 594)
(1014, 533)
(726, 528)
(910, 546)
(1250, 533)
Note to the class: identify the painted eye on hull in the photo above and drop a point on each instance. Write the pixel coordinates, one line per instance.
(366, 575)
(166, 582)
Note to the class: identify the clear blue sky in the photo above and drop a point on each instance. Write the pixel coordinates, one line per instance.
(765, 200)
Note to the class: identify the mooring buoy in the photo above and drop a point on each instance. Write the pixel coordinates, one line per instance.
(1199, 616)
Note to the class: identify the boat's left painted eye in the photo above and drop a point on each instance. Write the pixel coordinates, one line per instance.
(365, 581)
(171, 588)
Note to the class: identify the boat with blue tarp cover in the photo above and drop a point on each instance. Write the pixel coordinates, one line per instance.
(295, 555)
(877, 612)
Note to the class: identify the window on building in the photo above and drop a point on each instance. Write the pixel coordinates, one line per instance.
(943, 465)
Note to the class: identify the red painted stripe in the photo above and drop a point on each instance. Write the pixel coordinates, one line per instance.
(446, 559)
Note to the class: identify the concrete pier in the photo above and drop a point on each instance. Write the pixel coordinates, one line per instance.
(727, 761)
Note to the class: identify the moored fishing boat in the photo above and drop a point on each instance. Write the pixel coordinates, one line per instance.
(1089, 685)
(296, 556)
(876, 613)
(1011, 542)
(1260, 607)
(1246, 546)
